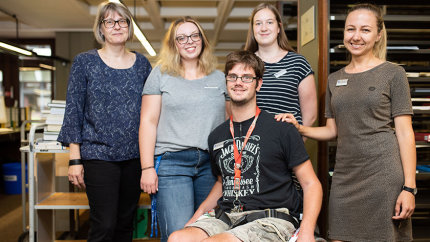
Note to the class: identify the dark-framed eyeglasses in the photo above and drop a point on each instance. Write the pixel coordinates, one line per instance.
(182, 39)
(110, 23)
(245, 78)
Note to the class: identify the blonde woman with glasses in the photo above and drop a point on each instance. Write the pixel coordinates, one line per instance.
(183, 100)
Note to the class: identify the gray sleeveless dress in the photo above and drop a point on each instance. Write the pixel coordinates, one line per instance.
(368, 174)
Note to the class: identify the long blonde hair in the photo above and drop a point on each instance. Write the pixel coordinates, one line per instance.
(380, 47)
(251, 43)
(170, 59)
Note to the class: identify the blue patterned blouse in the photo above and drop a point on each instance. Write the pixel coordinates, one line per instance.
(103, 107)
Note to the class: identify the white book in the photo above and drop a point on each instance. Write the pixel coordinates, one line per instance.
(57, 110)
(57, 103)
(53, 127)
(54, 118)
(50, 135)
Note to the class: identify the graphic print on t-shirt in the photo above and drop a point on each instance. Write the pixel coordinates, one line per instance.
(250, 180)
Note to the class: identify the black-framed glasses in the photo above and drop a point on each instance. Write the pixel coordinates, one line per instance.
(110, 23)
(182, 39)
(245, 78)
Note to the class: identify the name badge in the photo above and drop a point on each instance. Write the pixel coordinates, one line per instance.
(218, 145)
(280, 73)
(342, 82)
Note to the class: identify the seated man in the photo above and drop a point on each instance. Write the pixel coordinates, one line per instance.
(255, 194)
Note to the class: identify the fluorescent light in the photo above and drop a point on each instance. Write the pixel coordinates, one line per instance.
(15, 49)
(29, 68)
(42, 51)
(139, 35)
(47, 67)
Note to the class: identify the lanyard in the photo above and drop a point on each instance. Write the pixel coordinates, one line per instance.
(154, 204)
(237, 154)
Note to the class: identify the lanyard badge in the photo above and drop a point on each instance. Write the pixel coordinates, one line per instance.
(238, 160)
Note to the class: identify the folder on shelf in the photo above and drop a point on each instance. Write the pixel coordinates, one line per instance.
(423, 168)
(422, 136)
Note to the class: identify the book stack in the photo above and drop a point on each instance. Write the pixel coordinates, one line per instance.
(54, 120)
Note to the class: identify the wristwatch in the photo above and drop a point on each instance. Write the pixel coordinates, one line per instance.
(411, 190)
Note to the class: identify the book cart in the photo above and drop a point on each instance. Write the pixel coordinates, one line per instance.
(43, 198)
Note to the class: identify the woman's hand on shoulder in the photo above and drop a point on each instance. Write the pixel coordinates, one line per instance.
(405, 205)
(287, 117)
(149, 181)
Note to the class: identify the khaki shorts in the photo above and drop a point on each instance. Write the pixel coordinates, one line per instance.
(264, 229)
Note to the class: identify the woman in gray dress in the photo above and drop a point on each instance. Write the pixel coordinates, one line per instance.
(373, 187)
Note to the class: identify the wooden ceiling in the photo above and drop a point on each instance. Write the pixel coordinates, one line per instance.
(225, 21)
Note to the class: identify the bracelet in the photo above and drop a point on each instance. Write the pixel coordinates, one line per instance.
(75, 162)
(148, 167)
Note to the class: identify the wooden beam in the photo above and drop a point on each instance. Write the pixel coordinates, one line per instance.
(323, 67)
(153, 9)
(224, 10)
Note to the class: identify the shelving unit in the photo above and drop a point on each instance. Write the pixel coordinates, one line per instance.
(44, 200)
(407, 26)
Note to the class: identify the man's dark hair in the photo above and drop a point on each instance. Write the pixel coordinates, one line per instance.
(247, 58)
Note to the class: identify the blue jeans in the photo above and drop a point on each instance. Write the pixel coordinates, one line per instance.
(184, 181)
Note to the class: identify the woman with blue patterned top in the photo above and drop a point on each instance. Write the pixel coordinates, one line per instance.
(101, 125)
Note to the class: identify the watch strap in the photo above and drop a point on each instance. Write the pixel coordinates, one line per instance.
(409, 189)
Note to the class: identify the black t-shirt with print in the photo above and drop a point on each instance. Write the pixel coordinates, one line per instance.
(272, 150)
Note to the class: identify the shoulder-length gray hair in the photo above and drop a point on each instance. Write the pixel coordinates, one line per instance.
(104, 9)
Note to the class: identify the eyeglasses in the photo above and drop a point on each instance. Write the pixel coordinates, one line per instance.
(245, 79)
(182, 39)
(110, 23)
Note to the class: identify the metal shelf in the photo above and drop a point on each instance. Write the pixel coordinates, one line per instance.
(422, 144)
(43, 197)
(27, 149)
(423, 176)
